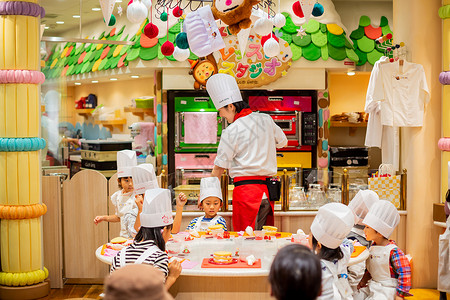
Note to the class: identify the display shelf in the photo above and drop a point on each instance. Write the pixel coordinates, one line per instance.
(113, 123)
(140, 112)
(351, 126)
(85, 112)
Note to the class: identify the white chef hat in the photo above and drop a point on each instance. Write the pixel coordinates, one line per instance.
(144, 178)
(157, 208)
(223, 90)
(360, 204)
(202, 32)
(383, 217)
(209, 187)
(126, 159)
(332, 224)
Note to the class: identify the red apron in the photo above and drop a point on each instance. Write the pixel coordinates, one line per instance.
(246, 202)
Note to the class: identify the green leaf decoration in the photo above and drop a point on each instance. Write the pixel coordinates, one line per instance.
(115, 61)
(148, 53)
(323, 28)
(311, 52)
(175, 28)
(289, 27)
(351, 54)
(364, 21)
(301, 41)
(385, 30)
(338, 41)
(312, 26)
(362, 57)
(286, 36)
(374, 56)
(97, 54)
(160, 55)
(319, 38)
(324, 52)
(383, 21)
(125, 49)
(337, 53)
(121, 30)
(103, 64)
(111, 51)
(133, 54)
(296, 52)
(193, 56)
(365, 44)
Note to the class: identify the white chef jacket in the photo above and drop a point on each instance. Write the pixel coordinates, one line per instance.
(402, 94)
(122, 203)
(248, 146)
(373, 108)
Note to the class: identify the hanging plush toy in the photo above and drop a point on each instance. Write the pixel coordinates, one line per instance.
(234, 13)
(202, 69)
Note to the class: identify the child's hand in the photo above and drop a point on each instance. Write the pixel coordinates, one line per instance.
(181, 200)
(174, 269)
(139, 200)
(98, 219)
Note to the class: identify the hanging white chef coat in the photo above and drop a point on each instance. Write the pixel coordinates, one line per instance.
(390, 146)
(403, 94)
(123, 203)
(373, 107)
(444, 260)
(248, 146)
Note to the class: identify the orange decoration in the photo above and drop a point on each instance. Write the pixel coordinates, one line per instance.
(113, 32)
(121, 61)
(19, 212)
(147, 42)
(80, 60)
(105, 52)
(372, 32)
(69, 51)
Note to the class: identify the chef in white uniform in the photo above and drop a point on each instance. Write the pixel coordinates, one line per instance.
(123, 199)
(247, 149)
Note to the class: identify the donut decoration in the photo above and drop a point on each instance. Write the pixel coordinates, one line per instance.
(444, 144)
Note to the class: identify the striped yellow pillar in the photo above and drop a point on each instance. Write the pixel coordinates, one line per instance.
(21, 207)
(444, 13)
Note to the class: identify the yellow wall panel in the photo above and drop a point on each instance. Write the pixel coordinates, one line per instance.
(12, 179)
(34, 108)
(4, 225)
(25, 246)
(35, 241)
(9, 41)
(24, 178)
(2, 108)
(11, 110)
(13, 246)
(446, 44)
(4, 189)
(2, 47)
(446, 111)
(22, 110)
(35, 177)
(33, 43)
(21, 43)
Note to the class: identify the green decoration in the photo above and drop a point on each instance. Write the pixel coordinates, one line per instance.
(362, 57)
(97, 54)
(111, 51)
(289, 27)
(323, 28)
(171, 58)
(72, 60)
(351, 54)
(85, 67)
(70, 69)
(137, 42)
(148, 53)
(125, 49)
(175, 28)
(121, 30)
(301, 41)
(311, 52)
(102, 64)
(374, 56)
(365, 44)
(385, 30)
(87, 57)
(348, 44)
(383, 21)
(181, 40)
(444, 12)
(101, 35)
(296, 52)
(364, 21)
(79, 49)
(133, 54)
(312, 26)
(160, 55)
(337, 41)
(193, 56)
(285, 36)
(324, 52)
(337, 53)
(115, 61)
(325, 95)
(319, 38)
(163, 17)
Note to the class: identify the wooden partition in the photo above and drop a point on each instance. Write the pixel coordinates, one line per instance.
(52, 228)
(114, 228)
(84, 197)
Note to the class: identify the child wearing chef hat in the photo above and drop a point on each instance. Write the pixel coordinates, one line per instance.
(149, 245)
(144, 178)
(388, 273)
(331, 225)
(359, 205)
(122, 199)
(210, 200)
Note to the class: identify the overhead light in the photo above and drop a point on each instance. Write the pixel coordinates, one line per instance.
(351, 73)
(76, 16)
(113, 79)
(46, 27)
(59, 22)
(118, 1)
(77, 83)
(96, 9)
(134, 76)
(94, 81)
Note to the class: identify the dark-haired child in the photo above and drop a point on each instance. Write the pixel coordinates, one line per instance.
(295, 273)
(149, 245)
(331, 225)
(123, 199)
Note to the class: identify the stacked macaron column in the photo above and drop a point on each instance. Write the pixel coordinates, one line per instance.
(444, 78)
(20, 190)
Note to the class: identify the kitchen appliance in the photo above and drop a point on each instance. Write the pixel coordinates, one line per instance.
(349, 156)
